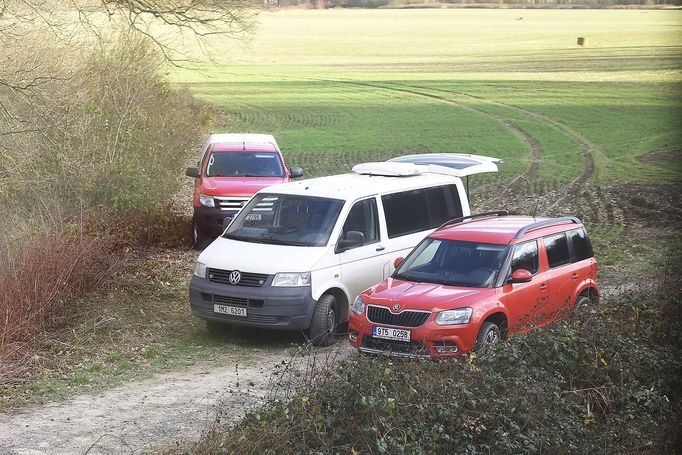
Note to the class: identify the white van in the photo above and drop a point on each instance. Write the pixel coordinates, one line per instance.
(297, 255)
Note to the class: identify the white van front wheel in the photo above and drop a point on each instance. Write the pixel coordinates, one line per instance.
(324, 322)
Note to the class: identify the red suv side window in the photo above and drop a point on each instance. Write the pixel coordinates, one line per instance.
(525, 257)
(557, 250)
(582, 248)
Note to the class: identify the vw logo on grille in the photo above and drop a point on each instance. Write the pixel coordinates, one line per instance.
(235, 277)
(396, 307)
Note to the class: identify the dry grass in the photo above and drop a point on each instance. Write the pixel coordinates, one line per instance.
(40, 279)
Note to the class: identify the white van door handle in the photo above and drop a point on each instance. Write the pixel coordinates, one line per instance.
(381, 248)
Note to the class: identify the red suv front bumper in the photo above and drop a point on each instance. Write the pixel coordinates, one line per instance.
(427, 340)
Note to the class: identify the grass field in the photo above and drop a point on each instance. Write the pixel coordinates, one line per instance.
(359, 83)
(578, 126)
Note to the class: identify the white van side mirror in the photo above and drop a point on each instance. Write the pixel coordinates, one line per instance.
(353, 239)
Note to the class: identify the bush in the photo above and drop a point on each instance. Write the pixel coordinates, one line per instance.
(608, 381)
(92, 147)
(41, 278)
(100, 128)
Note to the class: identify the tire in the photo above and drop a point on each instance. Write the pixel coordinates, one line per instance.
(198, 236)
(488, 336)
(581, 303)
(216, 328)
(324, 322)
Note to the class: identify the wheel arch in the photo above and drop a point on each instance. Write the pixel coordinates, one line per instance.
(342, 301)
(499, 318)
(589, 290)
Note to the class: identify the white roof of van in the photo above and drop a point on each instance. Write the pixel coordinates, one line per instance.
(455, 164)
(354, 186)
(239, 138)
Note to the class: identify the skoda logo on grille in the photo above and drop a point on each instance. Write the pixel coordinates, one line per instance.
(235, 277)
(396, 307)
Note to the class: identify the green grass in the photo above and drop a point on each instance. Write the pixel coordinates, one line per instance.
(333, 82)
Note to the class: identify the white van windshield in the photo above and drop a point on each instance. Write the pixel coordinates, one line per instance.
(286, 219)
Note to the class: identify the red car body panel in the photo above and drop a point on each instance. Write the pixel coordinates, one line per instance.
(233, 186)
(548, 297)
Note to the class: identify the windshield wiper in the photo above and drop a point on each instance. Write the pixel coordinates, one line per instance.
(271, 241)
(240, 238)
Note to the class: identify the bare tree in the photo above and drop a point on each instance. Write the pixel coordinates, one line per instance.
(158, 20)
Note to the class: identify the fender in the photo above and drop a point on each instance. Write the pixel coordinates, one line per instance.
(585, 284)
(319, 290)
(486, 311)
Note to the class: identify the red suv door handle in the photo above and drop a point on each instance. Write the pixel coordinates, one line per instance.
(543, 286)
(574, 276)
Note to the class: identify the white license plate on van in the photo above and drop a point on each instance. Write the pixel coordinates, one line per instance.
(254, 217)
(391, 334)
(231, 310)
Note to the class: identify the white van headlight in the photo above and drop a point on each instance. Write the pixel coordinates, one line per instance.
(358, 306)
(200, 270)
(291, 279)
(206, 201)
(452, 317)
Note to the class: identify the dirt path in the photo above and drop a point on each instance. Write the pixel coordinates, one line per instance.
(151, 413)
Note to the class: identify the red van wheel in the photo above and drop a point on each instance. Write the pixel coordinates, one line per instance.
(198, 236)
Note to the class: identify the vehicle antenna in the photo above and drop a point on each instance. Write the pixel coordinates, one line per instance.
(535, 210)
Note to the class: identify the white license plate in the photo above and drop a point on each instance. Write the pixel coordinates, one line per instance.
(231, 310)
(391, 334)
(254, 217)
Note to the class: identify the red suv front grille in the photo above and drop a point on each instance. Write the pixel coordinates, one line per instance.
(407, 318)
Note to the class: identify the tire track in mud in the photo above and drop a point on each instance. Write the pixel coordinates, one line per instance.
(568, 192)
(533, 145)
(575, 186)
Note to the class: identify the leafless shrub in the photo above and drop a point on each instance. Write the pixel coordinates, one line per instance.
(40, 279)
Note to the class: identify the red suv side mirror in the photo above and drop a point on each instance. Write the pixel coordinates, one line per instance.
(521, 276)
(398, 261)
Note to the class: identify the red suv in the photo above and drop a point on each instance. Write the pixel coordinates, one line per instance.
(474, 281)
(232, 168)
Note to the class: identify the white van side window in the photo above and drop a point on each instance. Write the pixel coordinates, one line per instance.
(413, 211)
(363, 217)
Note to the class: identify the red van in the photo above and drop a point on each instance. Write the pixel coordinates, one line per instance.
(474, 281)
(232, 168)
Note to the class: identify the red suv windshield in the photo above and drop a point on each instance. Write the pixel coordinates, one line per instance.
(244, 164)
(454, 263)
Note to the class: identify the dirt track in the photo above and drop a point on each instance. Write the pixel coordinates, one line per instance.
(155, 412)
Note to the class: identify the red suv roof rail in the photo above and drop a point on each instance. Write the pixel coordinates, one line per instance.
(540, 224)
(477, 215)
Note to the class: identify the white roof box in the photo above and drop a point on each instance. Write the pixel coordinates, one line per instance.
(455, 164)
